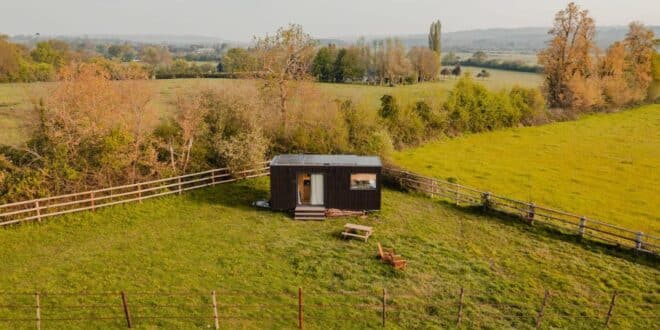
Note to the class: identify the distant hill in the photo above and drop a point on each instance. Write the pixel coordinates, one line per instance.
(529, 39)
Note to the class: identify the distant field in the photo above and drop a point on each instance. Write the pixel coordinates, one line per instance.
(15, 105)
(604, 166)
(211, 239)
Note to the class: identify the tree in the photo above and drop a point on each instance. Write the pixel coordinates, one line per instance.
(450, 59)
(483, 74)
(445, 72)
(282, 59)
(156, 56)
(567, 61)
(53, 52)
(10, 58)
(640, 49)
(435, 35)
(323, 66)
(456, 71)
(425, 62)
(612, 71)
(479, 57)
(238, 60)
(394, 64)
(348, 65)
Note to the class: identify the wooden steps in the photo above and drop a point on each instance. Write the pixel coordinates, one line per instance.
(306, 212)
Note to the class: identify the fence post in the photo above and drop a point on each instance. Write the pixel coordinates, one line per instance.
(485, 201)
(540, 316)
(531, 213)
(38, 306)
(179, 181)
(582, 226)
(384, 305)
(38, 208)
(611, 309)
(639, 244)
(127, 313)
(460, 308)
(213, 178)
(139, 186)
(300, 308)
(91, 198)
(216, 321)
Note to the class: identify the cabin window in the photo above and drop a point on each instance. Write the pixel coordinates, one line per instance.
(363, 181)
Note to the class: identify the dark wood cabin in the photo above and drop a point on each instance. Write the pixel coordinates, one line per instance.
(313, 183)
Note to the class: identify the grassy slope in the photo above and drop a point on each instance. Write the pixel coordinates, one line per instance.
(211, 239)
(15, 102)
(605, 166)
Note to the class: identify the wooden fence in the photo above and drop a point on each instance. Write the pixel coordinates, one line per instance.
(38, 209)
(293, 308)
(530, 212)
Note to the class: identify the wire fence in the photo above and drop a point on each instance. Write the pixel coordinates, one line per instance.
(530, 212)
(298, 308)
(38, 209)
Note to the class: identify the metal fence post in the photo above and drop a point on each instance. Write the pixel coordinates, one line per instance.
(384, 305)
(539, 318)
(300, 308)
(611, 309)
(127, 313)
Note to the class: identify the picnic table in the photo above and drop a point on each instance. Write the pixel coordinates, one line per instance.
(358, 231)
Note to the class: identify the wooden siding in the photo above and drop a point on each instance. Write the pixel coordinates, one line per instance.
(336, 187)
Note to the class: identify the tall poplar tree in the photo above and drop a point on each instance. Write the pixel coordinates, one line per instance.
(434, 37)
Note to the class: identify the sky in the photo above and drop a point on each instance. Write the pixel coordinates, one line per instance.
(240, 20)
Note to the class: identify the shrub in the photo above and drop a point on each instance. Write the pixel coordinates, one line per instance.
(531, 104)
(388, 106)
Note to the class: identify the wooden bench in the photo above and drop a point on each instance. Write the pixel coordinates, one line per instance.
(357, 231)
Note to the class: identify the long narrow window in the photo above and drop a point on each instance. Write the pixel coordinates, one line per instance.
(363, 181)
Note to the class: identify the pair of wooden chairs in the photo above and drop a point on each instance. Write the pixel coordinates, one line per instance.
(391, 258)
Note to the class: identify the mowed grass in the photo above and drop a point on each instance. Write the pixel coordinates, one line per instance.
(16, 113)
(605, 166)
(212, 239)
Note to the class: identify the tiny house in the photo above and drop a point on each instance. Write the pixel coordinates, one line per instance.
(312, 183)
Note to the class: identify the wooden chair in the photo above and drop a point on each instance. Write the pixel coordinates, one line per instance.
(391, 258)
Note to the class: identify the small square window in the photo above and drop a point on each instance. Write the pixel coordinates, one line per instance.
(363, 181)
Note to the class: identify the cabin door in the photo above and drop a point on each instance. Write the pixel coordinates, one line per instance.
(310, 189)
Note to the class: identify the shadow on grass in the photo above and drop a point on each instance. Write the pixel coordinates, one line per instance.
(543, 229)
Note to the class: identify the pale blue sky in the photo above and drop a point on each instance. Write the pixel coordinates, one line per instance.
(239, 20)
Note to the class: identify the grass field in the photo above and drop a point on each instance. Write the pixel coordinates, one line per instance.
(604, 166)
(16, 114)
(211, 239)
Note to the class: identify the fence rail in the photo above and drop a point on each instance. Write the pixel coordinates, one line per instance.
(38, 209)
(581, 225)
(296, 308)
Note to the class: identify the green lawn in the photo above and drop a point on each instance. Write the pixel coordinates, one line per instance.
(604, 166)
(211, 239)
(16, 114)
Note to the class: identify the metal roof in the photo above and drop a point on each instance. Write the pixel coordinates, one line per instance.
(326, 160)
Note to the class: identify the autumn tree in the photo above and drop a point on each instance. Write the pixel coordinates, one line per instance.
(391, 61)
(283, 59)
(639, 58)
(567, 61)
(425, 62)
(9, 60)
(155, 56)
(612, 70)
